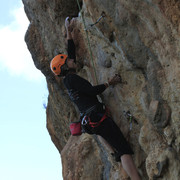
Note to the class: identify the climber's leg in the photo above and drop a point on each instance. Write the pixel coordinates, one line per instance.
(103, 141)
(113, 135)
(129, 167)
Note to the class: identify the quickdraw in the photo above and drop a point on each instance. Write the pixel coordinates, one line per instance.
(130, 118)
(91, 25)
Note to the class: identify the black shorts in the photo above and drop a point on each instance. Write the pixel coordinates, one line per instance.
(112, 134)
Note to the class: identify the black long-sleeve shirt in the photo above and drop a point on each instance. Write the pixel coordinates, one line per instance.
(71, 50)
(81, 92)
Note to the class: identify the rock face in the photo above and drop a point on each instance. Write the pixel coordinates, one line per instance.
(138, 39)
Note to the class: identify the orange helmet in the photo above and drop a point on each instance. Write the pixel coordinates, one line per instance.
(57, 63)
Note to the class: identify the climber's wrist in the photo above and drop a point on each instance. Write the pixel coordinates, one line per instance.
(68, 29)
(69, 35)
(107, 84)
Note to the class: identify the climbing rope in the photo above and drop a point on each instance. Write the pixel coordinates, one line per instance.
(89, 46)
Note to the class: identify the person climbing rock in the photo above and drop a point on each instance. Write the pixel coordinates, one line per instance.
(94, 117)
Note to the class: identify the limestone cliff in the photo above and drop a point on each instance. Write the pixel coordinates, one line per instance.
(138, 39)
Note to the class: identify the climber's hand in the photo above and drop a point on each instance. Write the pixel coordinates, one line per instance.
(115, 80)
(67, 23)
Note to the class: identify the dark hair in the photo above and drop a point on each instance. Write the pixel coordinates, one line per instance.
(65, 70)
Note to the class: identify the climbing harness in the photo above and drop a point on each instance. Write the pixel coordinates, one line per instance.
(130, 118)
(86, 120)
(100, 109)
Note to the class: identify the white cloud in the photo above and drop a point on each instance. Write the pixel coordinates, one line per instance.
(14, 55)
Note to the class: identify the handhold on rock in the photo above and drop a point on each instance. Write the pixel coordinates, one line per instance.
(161, 167)
(108, 62)
(159, 113)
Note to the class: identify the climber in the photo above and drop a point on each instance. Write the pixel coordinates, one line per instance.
(83, 94)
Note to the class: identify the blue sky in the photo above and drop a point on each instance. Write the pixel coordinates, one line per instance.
(26, 152)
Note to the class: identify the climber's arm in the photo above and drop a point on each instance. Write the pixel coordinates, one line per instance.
(71, 46)
(71, 50)
(69, 35)
(68, 28)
